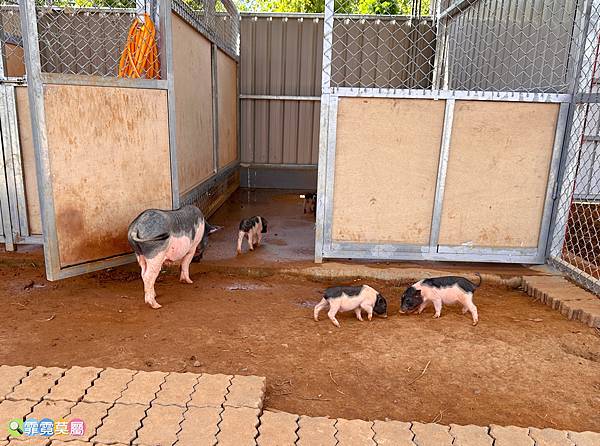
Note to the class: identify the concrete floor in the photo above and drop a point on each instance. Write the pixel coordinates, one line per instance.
(290, 236)
(291, 239)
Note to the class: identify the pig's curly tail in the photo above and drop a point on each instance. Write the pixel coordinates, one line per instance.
(480, 280)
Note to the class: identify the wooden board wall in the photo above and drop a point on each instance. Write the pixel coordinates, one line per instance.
(193, 105)
(28, 161)
(109, 157)
(500, 156)
(228, 99)
(385, 169)
(15, 60)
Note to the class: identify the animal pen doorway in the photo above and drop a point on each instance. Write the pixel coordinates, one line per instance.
(455, 127)
(100, 148)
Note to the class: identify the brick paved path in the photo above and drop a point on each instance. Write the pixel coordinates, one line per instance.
(126, 407)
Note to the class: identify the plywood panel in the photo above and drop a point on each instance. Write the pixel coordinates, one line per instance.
(497, 174)
(193, 105)
(387, 156)
(228, 97)
(28, 161)
(109, 155)
(15, 60)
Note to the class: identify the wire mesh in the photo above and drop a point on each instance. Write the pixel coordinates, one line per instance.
(388, 52)
(213, 19)
(576, 244)
(473, 45)
(11, 40)
(83, 40)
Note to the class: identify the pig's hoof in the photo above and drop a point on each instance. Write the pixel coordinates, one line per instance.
(436, 316)
(183, 279)
(475, 323)
(155, 305)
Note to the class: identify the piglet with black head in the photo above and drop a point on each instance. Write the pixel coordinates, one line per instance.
(348, 298)
(446, 290)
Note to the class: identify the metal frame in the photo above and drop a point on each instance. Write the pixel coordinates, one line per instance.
(168, 73)
(12, 160)
(215, 105)
(326, 247)
(36, 81)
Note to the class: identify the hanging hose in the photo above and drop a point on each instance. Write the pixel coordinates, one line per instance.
(140, 56)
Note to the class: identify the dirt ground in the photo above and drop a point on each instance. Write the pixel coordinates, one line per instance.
(524, 364)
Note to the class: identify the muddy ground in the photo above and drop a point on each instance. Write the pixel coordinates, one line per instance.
(524, 364)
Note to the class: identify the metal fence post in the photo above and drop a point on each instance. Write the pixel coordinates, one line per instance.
(168, 71)
(215, 105)
(322, 180)
(573, 138)
(35, 89)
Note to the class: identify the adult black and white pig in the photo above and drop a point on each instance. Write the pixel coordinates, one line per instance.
(348, 298)
(440, 291)
(253, 228)
(157, 236)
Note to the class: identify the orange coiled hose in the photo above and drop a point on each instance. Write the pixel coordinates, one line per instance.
(140, 56)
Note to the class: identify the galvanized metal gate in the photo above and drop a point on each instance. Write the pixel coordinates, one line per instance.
(513, 60)
(14, 226)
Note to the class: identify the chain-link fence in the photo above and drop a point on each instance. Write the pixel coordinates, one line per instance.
(575, 246)
(95, 37)
(11, 41)
(220, 21)
(83, 41)
(472, 45)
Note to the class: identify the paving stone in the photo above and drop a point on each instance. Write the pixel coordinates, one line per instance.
(393, 433)
(470, 435)
(431, 434)
(246, 391)
(199, 426)
(91, 413)
(587, 312)
(355, 433)
(72, 386)
(122, 423)
(510, 436)
(34, 441)
(585, 438)
(143, 388)
(10, 376)
(36, 384)
(51, 409)
(210, 391)
(238, 426)
(109, 386)
(316, 431)
(10, 410)
(549, 437)
(70, 443)
(176, 390)
(277, 429)
(160, 426)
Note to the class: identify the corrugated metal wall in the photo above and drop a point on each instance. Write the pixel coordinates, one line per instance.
(280, 56)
